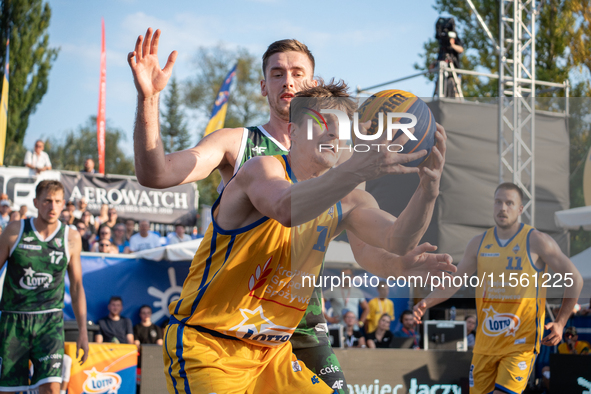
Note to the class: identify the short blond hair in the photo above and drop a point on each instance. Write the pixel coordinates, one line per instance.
(288, 45)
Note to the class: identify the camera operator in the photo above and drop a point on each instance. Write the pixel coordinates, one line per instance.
(450, 48)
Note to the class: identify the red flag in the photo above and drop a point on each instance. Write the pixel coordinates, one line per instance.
(100, 119)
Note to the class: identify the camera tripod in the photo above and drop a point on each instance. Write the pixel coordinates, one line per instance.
(448, 83)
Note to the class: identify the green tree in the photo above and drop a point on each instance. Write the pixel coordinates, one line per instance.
(70, 151)
(246, 106)
(31, 59)
(553, 57)
(175, 135)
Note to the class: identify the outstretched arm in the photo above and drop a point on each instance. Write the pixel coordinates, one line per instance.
(466, 266)
(77, 292)
(153, 167)
(548, 250)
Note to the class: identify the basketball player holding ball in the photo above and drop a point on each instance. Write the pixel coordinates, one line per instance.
(288, 66)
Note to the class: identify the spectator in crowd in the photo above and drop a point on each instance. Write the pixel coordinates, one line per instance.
(15, 216)
(353, 336)
(84, 234)
(89, 166)
(103, 216)
(178, 236)
(129, 228)
(71, 207)
(65, 217)
(586, 311)
(106, 246)
(24, 211)
(104, 234)
(378, 306)
(408, 329)
(144, 239)
(88, 219)
(4, 213)
(119, 240)
(346, 297)
(38, 160)
(79, 211)
(146, 331)
(471, 330)
(4, 196)
(572, 345)
(382, 336)
(114, 327)
(112, 214)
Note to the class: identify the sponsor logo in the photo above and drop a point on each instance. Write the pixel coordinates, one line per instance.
(338, 385)
(259, 149)
(56, 365)
(315, 379)
(256, 327)
(331, 212)
(101, 382)
(165, 297)
(55, 356)
(496, 324)
(488, 246)
(58, 242)
(28, 239)
(471, 376)
(518, 378)
(29, 247)
(296, 366)
(32, 280)
(519, 341)
(259, 277)
(329, 369)
(516, 248)
(490, 254)
(522, 365)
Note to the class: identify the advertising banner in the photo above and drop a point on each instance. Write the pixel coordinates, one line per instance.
(124, 193)
(110, 368)
(137, 281)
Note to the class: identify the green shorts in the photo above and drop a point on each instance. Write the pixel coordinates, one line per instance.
(36, 337)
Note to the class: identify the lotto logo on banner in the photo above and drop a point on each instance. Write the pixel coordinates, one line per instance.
(110, 369)
(101, 382)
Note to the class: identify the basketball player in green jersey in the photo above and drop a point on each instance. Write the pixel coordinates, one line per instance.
(38, 252)
(288, 66)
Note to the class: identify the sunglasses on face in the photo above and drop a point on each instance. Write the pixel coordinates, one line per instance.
(104, 245)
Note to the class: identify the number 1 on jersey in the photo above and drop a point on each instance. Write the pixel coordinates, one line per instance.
(56, 257)
(320, 244)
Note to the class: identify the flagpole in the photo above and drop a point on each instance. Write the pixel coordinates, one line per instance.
(100, 119)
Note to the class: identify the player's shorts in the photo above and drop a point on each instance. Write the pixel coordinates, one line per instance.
(508, 373)
(208, 362)
(37, 337)
(320, 358)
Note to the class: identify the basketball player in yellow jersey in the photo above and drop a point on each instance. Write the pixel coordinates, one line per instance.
(245, 294)
(510, 319)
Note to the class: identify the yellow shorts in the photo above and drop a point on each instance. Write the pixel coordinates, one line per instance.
(509, 372)
(199, 363)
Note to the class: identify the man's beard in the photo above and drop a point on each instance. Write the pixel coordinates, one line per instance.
(507, 226)
(281, 112)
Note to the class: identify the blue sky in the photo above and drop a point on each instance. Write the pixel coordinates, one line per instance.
(362, 44)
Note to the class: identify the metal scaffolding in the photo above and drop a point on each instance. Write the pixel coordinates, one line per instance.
(517, 88)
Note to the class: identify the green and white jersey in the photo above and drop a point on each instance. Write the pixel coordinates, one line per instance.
(35, 272)
(256, 141)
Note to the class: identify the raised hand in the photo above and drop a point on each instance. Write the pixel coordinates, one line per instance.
(149, 79)
(431, 169)
(418, 262)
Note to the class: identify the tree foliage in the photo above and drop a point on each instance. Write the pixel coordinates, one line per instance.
(246, 106)
(31, 59)
(70, 152)
(557, 19)
(173, 128)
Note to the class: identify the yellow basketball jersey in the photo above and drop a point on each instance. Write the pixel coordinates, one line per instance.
(511, 301)
(247, 283)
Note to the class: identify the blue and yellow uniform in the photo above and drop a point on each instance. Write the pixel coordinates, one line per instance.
(241, 303)
(510, 317)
